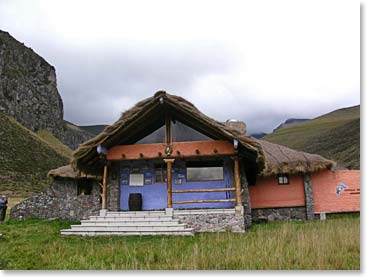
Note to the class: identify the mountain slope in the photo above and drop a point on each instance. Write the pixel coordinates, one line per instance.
(93, 129)
(334, 135)
(55, 143)
(25, 158)
(290, 122)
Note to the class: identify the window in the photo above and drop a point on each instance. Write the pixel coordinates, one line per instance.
(283, 179)
(85, 187)
(204, 171)
(160, 173)
(136, 180)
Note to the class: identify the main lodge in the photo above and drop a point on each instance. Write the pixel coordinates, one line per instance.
(166, 168)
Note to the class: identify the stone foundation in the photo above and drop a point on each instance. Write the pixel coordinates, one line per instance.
(278, 214)
(61, 201)
(211, 221)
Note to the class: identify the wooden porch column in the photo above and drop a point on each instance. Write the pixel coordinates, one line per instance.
(237, 181)
(169, 163)
(104, 188)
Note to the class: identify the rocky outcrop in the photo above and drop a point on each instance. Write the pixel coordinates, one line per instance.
(28, 92)
(72, 135)
(28, 89)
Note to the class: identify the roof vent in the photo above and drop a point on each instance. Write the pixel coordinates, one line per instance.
(237, 125)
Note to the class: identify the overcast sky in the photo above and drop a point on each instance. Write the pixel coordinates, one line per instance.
(259, 61)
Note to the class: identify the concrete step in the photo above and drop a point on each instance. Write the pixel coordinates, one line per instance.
(82, 228)
(204, 211)
(138, 213)
(132, 218)
(128, 223)
(187, 232)
(139, 223)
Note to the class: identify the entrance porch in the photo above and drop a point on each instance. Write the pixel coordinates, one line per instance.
(184, 180)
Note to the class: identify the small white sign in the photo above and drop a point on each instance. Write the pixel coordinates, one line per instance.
(136, 180)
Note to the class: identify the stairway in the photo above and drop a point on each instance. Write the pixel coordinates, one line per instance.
(142, 223)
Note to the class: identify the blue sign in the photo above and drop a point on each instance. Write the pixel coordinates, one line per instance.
(340, 188)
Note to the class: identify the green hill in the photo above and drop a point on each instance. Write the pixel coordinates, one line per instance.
(55, 143)
(25, 158)
(335, 136)
(93, 129)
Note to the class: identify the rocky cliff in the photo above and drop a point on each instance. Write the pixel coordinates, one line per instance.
(28, 92)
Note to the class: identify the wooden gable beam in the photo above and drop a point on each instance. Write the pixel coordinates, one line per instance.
(179, 150)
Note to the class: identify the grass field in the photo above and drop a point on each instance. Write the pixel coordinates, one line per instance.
(330, 244)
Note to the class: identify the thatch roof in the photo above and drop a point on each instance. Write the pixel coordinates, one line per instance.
(270, 158)
(68, 171)
(150, 110)
(281, 159)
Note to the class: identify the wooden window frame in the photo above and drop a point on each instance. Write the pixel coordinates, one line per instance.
(162, 168)
(82, 184)
(220, 164)
(281, 177)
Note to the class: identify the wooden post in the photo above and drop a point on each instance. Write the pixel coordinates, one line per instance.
(169, 163)
(237, 181)
(104, 188)
(168, 132)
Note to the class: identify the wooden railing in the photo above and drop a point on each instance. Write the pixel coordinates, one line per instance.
(206, 200)
(203, 190)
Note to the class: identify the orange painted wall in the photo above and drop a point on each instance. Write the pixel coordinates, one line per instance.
(268, 194)
(324, 186)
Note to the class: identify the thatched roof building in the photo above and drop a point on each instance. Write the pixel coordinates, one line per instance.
(146, 116)
(68, 171)
(281, 159)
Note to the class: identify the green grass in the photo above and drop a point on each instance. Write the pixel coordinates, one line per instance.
(330, 244)
(334, 136)
(25, 158)
(55, 143)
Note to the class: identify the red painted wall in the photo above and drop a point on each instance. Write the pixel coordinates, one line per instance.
(267, 193)
(324, 186)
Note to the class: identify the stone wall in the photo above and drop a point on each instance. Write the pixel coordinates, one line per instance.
(113, 188)
(205, 221)
(309, 197)
(60, 201)
(246, 201)
(278, 214)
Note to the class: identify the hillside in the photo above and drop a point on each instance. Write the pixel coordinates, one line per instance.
(74, 136)
(25, 158)
(93, 129)
(290, 122)
(55, 143)
(335, 136)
